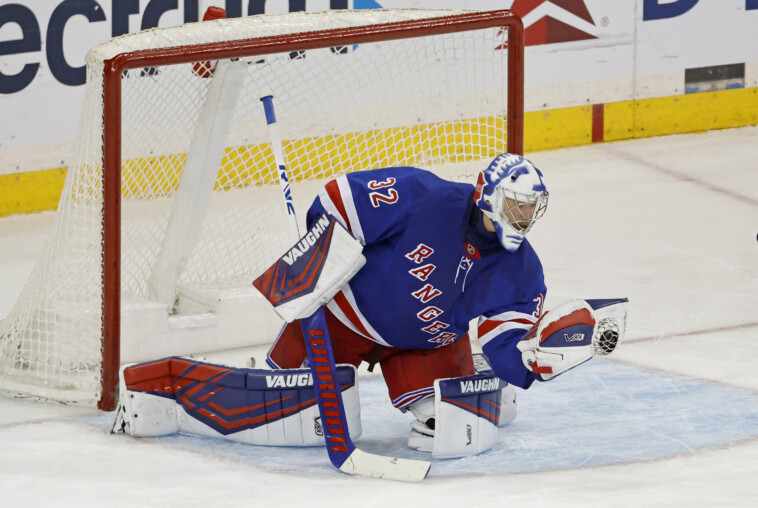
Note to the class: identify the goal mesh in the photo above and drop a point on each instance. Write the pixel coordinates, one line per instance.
(438, 101)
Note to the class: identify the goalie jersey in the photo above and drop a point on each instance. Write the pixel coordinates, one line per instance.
(431, 267)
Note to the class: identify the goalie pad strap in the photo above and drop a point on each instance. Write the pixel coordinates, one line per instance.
(254, 406)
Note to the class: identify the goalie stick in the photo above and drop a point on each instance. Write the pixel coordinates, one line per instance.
(342, 452)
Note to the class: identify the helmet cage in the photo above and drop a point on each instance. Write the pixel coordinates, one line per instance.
(520, 210)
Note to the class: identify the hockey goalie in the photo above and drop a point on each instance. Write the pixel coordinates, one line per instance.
(400, 262)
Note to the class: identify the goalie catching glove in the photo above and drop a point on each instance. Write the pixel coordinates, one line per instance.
(572, 333)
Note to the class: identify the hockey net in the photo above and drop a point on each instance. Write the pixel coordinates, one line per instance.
(172, 206)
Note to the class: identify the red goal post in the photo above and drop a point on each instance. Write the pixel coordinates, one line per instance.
(502, 23)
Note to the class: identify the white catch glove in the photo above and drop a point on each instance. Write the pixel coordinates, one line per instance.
(565, 337)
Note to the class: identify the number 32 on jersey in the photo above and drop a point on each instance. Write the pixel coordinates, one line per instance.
(387, 195)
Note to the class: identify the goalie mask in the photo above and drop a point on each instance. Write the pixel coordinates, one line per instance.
(512, 194)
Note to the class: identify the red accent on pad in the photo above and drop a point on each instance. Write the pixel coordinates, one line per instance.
(263, 282)
(272, 289)
(150, 377)
(281, 280)
(266, 283)
(316, 268)
(252, 421)
(237, 411)
(333, 190)
(181, 383)
(211, 394)
(171, 374)
(490, 416)
(578, 317)
(488, 401)
(173, 367)
(538, 369)
(147, 371)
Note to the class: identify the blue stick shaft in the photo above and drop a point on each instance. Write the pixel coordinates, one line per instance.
(276, 147)
(316, 334)
(327, 388)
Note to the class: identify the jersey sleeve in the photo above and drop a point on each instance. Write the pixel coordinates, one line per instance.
(371, 205)
(500, 331)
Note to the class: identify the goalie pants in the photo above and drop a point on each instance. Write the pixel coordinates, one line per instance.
(408, 373)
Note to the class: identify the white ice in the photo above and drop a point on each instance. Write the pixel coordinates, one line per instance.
(671, 419)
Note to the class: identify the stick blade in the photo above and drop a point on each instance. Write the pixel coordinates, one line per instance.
(387, 468)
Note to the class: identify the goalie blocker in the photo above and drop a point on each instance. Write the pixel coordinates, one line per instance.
(312, 271)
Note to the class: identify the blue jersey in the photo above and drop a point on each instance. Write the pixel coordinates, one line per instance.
(431, 267)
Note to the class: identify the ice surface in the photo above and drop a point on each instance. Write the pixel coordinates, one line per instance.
(671, 419)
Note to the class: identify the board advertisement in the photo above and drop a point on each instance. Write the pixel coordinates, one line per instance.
(579, 52)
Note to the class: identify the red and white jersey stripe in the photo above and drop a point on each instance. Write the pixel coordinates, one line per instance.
(337, 200)
(491, 327)
(345, 309)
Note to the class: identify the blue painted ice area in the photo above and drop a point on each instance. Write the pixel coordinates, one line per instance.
(600, 413)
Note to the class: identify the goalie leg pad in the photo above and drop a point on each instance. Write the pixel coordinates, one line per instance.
(254, 406)
(508, 409)
(467, 412)
(466, 417)
(144, 414)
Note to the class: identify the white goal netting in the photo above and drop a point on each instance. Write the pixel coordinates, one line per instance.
(201, 208)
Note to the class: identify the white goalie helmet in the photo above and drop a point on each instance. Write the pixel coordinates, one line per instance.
(512, 194)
